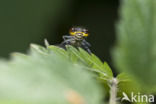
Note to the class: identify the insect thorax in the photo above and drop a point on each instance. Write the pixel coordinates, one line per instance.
(76, 43)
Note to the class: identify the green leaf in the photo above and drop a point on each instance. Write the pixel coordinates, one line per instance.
(74, 55)
(127, 84)
(90, 60)
(135, 52)
(108, 70)
(44, 76)
(57, 50)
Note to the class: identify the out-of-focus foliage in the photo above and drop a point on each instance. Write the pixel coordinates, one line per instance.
(47, 76)
(135, 52)
(26, 21)
(127, 85)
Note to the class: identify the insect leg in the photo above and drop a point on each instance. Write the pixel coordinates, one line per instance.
(65, 37)
(86, 43)
(85, 46)
(66, 42)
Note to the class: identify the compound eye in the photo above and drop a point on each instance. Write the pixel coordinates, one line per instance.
(85, 31)
(85, 34)
(72, 31)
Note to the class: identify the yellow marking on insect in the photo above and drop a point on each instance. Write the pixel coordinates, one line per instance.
(85, 34)
(74, 33)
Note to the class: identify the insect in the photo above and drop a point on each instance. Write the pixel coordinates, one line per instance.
(76, 38)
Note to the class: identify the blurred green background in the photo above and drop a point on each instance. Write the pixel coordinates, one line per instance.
(30, 21)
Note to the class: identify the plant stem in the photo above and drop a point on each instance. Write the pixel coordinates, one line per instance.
(113, 91)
